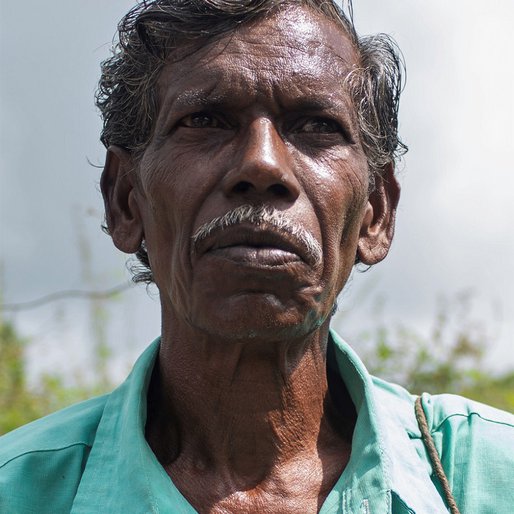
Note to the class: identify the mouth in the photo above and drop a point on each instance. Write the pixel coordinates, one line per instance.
(254, 246)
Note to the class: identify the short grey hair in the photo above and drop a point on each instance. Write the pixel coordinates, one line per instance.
(151, 31)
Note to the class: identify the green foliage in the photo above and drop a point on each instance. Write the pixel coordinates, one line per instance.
(16, 407)
(21, 403)
(450, 359)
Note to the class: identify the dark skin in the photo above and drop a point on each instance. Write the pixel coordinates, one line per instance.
(240, 414)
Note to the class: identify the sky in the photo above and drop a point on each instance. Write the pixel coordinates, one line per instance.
(454, 231)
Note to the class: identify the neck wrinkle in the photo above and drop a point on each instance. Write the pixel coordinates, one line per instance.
(242, 413)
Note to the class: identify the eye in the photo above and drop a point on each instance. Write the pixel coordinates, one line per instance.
(317, 126)
(202, 120)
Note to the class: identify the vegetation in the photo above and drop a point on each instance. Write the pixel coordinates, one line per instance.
(21, 403)
(449, 358)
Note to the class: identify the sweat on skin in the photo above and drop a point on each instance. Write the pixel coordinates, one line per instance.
(238, 404)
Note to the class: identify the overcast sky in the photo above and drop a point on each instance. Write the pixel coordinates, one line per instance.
(454, 233)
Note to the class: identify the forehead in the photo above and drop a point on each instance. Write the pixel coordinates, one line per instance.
(294, 52)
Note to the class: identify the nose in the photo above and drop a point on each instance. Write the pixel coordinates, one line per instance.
(263, 168)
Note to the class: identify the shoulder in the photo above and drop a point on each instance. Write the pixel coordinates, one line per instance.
(470, 432)
(475, 443)
(75, 425)
(41, 463)
(452, 409)
(448, 415)
(476, 446)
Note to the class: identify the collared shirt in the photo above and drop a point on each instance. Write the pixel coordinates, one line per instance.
(93, 457)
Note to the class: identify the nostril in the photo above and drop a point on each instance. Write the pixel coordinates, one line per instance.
(279, 190)
(242, 187)
(246, 187)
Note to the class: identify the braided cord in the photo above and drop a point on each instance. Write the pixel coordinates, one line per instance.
(434, 456)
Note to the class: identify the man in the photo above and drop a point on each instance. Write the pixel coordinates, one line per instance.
(250, 165)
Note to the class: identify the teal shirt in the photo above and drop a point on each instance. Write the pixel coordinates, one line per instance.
(93, 457)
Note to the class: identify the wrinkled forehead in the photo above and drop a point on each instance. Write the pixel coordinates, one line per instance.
(293, 45)
(299, 29)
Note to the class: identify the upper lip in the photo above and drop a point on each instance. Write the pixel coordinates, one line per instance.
(252, 235)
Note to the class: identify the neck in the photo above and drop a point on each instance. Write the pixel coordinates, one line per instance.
(245, 410)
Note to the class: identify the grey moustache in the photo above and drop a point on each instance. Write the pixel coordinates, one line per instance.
(261, 215)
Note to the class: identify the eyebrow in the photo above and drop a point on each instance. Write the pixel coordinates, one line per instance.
(311, 104)
(210, 98)
(198, 98)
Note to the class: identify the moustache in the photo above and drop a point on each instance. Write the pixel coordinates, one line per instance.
(266, 216)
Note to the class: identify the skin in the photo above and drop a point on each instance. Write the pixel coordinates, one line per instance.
(239, 410)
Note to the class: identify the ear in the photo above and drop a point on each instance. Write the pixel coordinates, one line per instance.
(122, 213)
(377, 229)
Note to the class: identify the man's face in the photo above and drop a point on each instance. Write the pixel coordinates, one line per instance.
(260, 118)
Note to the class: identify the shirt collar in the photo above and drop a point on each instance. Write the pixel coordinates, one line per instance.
(384, 466)
(122, 472)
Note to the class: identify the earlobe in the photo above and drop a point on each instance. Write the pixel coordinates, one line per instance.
(122, 213)
(377, 228)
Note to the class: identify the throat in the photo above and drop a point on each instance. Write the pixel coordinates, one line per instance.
(257, 464)
(246, 431)
(244, 427)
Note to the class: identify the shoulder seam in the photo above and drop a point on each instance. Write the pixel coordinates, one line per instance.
(44, 450)
(468, 415)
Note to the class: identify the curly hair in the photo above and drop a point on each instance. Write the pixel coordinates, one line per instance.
(153, 30)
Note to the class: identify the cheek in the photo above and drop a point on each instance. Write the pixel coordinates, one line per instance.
(166, 232)
(348, 201)
(343, 201)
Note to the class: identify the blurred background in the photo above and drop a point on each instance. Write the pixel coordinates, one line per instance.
(436, 315)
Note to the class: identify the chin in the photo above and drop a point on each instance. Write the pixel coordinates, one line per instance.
(259, 316)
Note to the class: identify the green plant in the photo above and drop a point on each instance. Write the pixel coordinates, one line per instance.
(449, 359)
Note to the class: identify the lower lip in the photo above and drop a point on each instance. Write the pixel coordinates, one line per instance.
(256, 256)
